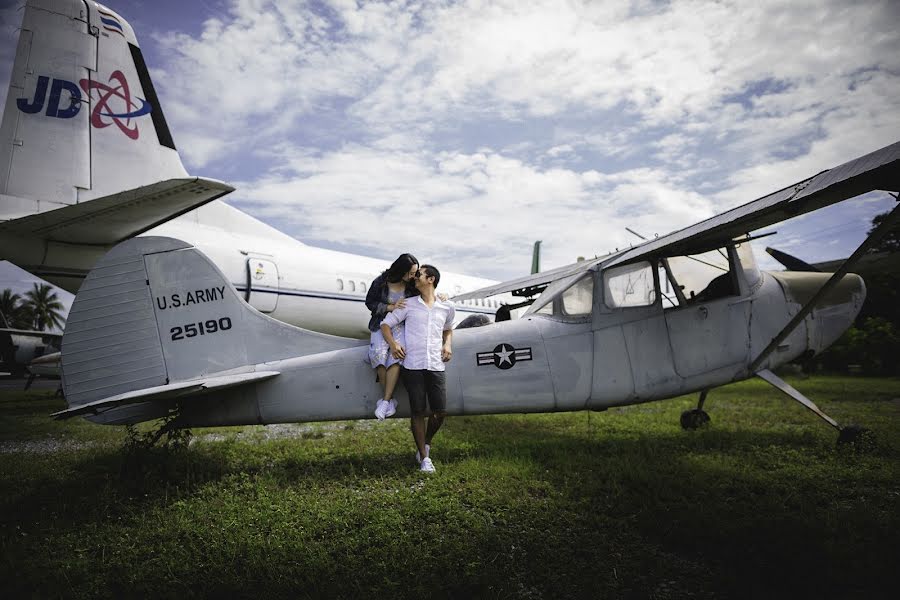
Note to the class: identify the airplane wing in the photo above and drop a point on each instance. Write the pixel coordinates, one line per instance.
(531, 284)
(33, 333)
(879, 170)
(167, 392)
(120, 216)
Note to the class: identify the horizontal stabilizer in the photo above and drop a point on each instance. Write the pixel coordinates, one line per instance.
(33, 333)
(118, 217)
(167, 392)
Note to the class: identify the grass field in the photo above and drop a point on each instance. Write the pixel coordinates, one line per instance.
(621, 504)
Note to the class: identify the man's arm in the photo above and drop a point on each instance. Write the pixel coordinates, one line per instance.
(446, 350)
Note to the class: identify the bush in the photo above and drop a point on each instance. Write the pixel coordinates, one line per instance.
(873, 347)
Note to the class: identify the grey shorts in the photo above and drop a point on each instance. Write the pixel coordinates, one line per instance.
(422, 385)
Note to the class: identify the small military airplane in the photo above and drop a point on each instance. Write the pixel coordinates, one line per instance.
(685, 312)
(81, 98)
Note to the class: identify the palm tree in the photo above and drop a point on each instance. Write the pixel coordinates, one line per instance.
(13, 311)
(45, 307)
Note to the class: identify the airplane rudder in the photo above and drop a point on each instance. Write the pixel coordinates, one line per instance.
(82, 119)
(111, 344)
(152, 311)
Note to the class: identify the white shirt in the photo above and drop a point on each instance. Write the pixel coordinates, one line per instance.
(424, 331)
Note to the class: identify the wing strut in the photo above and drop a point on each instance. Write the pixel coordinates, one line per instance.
(875, 237)
(770, 377)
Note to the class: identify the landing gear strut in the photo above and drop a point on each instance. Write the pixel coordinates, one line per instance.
(696, 418)
(857, 437)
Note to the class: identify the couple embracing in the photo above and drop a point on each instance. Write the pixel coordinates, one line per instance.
(411, 335)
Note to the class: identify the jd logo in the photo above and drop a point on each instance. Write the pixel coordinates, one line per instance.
(53, 109)
(118, 93)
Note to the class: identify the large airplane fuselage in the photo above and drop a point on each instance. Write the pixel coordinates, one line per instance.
(314, 288)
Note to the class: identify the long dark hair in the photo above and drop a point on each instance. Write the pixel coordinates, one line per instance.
(400, 267)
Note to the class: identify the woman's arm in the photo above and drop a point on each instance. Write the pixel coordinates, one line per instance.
(375, 297)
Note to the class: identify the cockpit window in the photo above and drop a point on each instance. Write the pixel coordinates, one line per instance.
(567, 298)
(578, 299)
(698, 278)
(630, 285)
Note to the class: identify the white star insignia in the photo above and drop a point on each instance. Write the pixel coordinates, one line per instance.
(504, 353)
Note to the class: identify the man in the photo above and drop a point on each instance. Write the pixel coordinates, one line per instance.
(429, 333)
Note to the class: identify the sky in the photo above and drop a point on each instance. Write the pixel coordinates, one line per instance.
(464, 131)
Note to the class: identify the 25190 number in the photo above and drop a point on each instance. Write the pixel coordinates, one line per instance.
(190, 330)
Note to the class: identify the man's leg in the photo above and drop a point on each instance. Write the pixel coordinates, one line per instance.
(436, 389)
(415, 389)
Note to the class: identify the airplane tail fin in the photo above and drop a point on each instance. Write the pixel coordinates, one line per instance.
(82, 119)
(156, 318)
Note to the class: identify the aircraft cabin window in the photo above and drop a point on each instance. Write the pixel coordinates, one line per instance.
(699, 278)
(579, 299)
(362, 286)
(340, 283)
(630, 285)
(352, 286)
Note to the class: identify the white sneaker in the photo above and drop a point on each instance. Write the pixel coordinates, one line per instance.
(390, 408)
(427, 453)
(380, 407)
(427, 465)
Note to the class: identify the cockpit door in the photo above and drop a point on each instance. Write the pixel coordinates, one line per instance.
(708, 321)
(262, 284)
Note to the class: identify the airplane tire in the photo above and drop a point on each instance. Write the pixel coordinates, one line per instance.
(694, 419)
(857, 438)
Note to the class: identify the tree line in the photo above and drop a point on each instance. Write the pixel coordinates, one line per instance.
(39, 309)
(871, 345)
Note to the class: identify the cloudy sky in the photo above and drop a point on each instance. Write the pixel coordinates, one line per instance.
(463, 131)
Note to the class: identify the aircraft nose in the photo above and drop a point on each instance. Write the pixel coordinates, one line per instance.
(835, 312)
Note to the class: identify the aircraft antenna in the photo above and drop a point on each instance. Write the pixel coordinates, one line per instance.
(630, 230)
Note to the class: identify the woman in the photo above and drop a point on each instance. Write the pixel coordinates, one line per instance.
(389, 292)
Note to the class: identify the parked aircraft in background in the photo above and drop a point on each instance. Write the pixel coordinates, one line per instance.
(81, 95)
(19, 347)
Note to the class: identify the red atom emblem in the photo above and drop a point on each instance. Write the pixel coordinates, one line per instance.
(102, 110)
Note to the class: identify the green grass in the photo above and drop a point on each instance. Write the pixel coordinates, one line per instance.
(621, 504)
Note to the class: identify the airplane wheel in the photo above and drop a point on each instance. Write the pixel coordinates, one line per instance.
(694, 419)
(857, 437)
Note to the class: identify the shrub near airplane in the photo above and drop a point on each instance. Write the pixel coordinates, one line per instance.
(81, 93)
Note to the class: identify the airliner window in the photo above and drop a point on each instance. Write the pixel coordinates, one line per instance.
(696, 279)
(352, 286)
(362, 286)
(631, 285)
(340, 283)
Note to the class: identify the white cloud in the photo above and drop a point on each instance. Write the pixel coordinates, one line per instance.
(457, 209)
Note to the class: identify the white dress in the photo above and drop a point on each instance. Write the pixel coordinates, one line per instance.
(379, 351)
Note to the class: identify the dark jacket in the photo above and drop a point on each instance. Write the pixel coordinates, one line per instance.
(377, 299)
